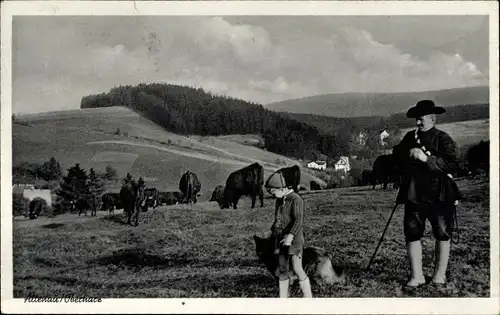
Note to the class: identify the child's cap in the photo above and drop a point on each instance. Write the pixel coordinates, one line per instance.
(275, 181)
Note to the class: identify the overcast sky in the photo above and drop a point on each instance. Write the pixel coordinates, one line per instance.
(57, 60)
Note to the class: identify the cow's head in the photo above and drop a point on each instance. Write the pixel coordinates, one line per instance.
(224, 204)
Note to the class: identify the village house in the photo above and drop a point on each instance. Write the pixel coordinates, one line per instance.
(317, 165)
(29, 192)
(361, 138)
(383, 136)
(343, 164)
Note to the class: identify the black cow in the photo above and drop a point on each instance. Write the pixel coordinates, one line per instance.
(169, 197)
(384, 171)
(478, 157)
(356, 176)
(314, 185)
(132, 197)
(292, 176)
(84, 203)
(243, 182)
(190, 186)
(218, 195)
(152, 197)
(111, 202)
(366, 177)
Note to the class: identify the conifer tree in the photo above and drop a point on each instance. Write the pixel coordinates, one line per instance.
(96, 185)
(73, 186)
(110, 173)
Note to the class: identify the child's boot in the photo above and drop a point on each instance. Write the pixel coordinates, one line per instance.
(284, 288)
(305, 286)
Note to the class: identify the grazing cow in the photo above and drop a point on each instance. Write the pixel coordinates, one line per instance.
(478, 157)
(292, 176)
(170, 197)
(316, 264)
(85, 203)
(356, 176)
(152, 197)
(132, 196)
(314, 185)
(190, 186)
(384, 171)
(111, 202)
(94, 204)
(246, 181)
(218, 195)
(366, 177)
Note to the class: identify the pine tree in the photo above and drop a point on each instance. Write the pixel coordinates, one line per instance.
(96, 185)
(50, 170)
(55, 168)
(110, 173)
(73, 186)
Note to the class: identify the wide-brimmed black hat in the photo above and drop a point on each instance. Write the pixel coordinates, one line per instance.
(424, 107)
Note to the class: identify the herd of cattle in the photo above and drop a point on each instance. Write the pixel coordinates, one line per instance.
(247, 181)
(134, 197)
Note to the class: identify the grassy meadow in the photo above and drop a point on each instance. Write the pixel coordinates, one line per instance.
(202, 251)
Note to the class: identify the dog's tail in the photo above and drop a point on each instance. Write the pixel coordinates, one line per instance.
(329, 275)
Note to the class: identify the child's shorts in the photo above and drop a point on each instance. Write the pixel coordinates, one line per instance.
(285, 263)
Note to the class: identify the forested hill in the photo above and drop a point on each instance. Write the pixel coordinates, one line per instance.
(186, 110)
(349, 105)
(337, 125)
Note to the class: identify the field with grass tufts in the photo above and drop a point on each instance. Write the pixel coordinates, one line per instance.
(202, 251)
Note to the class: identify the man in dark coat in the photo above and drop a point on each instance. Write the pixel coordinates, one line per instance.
(288, 230)
(427, 158)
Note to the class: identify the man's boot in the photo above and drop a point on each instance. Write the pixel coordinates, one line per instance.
(305, 286)
(442, 254)
(283, 284)
(415, 257)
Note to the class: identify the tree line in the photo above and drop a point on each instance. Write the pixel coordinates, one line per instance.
(185, 110)
(392, 124)
(76, 184)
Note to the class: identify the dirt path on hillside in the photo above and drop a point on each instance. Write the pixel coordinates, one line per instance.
(200, 156)
(182, 153)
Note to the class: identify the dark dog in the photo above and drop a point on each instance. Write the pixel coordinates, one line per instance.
(316, 263)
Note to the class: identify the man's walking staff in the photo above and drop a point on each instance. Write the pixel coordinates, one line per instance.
(382, 237)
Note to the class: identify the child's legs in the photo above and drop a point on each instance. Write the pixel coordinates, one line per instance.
(283, 266)
(297, 266)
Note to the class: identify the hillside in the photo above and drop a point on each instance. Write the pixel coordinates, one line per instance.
(142, 148)
(189, 111)
(465, 133)
(378, 104)
(344, 127)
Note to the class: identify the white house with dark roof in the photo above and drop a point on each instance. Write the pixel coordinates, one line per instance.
(317, 165)
(343, 164)
(383, 136)
(30, 192)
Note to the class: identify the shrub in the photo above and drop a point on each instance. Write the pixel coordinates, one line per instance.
(19, 205)
(37, 207)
